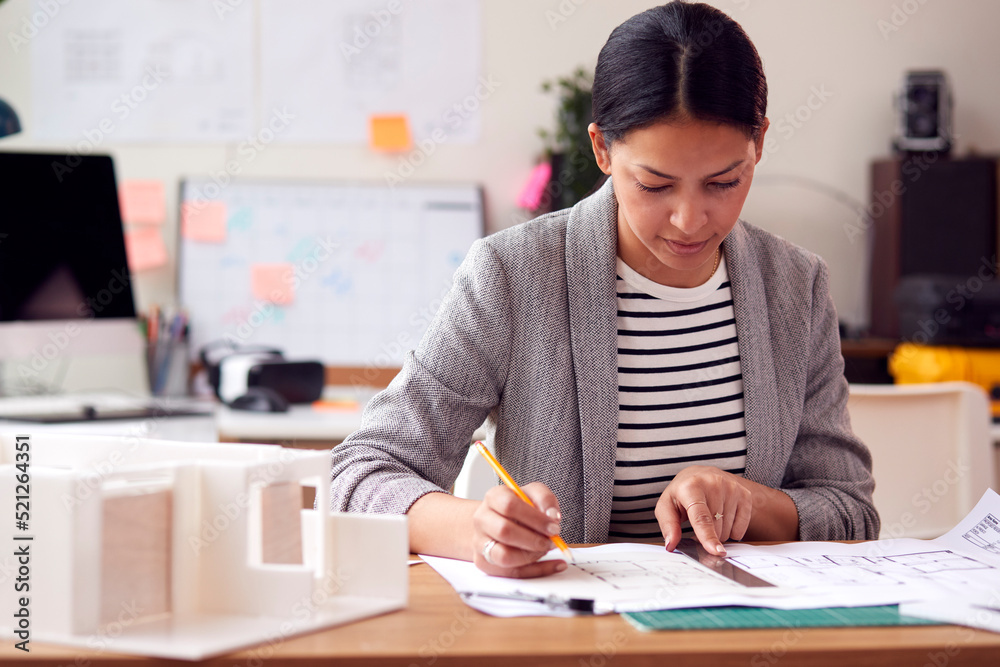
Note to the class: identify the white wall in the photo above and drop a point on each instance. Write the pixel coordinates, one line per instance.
(835, 46)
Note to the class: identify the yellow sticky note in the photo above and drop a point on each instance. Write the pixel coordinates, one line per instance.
(273, 282)
(145, 248)
(390, 133)
(142, 202)
(204, 221)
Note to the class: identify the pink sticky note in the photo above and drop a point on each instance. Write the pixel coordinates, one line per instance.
(204, 221)
(531, 195)
(273, 282)
(142, 202)
(145, 248)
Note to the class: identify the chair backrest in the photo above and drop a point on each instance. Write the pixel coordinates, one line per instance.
(476, 476)
(931, 450)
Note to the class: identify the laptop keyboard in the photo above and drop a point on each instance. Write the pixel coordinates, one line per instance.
(95, 406)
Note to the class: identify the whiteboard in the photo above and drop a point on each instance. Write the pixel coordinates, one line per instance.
(371, 265)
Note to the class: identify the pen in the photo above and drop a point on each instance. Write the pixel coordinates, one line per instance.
(509, 481)
(581, 605)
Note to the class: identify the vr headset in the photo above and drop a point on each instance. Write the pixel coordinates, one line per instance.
(260, 378)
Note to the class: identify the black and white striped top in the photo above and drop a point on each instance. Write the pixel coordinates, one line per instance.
(680, 392)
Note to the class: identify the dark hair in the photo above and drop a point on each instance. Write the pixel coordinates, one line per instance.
(675, 62)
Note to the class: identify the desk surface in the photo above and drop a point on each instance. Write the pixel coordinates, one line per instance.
(301, 422)
(438, 629)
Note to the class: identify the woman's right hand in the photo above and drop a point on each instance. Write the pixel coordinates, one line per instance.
(521, 532)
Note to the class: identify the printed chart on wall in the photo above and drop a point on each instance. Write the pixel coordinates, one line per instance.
(349, 274)
(421, 59)
(142, 71)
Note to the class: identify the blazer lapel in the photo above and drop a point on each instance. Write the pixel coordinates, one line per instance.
(753, 327)
(591, 249)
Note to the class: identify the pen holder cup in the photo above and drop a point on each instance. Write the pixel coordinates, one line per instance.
(169, 368)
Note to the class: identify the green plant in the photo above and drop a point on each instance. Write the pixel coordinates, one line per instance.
(574, 170)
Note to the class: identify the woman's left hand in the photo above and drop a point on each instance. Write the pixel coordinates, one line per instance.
(715, 502)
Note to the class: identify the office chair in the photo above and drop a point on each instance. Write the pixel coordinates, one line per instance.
(476, 476)
(931, 450)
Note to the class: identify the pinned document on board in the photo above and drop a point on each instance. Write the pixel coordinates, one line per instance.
(273, 283)
(423, 58)
(143, 71)
(390, 132)
(142, 202)
(204, 221)
(145, 248)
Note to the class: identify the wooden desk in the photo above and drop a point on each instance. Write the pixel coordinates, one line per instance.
(438, 630)
(301, 427)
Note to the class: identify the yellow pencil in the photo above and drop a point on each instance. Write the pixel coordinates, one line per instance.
(509, 481)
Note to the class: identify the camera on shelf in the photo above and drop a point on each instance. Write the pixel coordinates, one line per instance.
(925, 113)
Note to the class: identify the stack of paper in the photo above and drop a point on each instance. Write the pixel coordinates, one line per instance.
(954, 578)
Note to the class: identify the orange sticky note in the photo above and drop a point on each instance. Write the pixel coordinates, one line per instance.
(273, 282)
(336, 405)
(204, 221)
(390, 133)
(142, 202)
(145, 248)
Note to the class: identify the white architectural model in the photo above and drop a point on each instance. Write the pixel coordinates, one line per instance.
(182, 550)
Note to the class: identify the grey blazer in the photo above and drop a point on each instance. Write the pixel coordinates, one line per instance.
(526, 340)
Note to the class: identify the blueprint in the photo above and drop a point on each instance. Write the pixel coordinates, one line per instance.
(904, 568)
(648, 574)
(985, 534)
(962, 565)
(964, 560)
(617, 577)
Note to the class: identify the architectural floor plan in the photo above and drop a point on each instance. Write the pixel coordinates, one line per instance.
(985, 534)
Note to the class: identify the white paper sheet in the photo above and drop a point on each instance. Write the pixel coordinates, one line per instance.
(956, 612)
(962, 565)
(334, 64)
(618, 577)
(977, 535)
(979, 531)
(145, 70)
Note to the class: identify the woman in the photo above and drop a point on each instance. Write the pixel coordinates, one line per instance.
(644, 358)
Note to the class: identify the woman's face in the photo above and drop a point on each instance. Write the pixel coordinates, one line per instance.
(680, 189)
